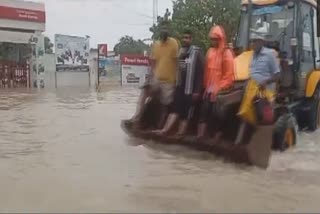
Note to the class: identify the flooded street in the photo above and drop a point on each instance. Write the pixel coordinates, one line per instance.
(64, 151)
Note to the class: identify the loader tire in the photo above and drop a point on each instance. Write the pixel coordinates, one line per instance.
(313, 120)
(285, 133)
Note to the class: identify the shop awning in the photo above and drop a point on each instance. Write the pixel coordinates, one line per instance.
(15, 37)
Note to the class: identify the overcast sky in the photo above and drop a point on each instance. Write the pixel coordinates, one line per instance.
(105, 21)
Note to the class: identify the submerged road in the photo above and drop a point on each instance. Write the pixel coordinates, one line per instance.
(64, 151)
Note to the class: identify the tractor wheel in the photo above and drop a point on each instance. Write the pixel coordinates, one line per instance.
(313, 120)
(285, 133)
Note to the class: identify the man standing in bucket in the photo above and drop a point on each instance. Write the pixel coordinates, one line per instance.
(189, 85)
(162, 79)
(264, 73)
(164, 58)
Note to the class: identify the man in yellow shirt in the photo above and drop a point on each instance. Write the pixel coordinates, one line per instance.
(164, 56)
(164, 61)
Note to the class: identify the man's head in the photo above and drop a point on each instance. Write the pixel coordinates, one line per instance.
(164, 32)
(257, 42)
(217, 37)
(187, 38)
(214, 42)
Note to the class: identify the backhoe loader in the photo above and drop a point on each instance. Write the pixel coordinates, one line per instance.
(291, 26)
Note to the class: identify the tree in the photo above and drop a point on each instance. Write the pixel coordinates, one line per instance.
(155, 29)
(48, 46)
(199, 16)
(127, 45)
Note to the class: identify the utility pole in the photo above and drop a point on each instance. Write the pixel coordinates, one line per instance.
(155, 11)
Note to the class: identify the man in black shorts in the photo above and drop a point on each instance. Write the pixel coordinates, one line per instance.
(189, 85)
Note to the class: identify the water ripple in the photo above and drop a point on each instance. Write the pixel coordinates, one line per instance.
(70, 139)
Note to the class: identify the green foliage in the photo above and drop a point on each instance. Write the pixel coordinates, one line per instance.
(48, 46)
(127, 45)
(199, 16)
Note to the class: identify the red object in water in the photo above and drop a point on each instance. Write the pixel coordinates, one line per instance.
(264, 111)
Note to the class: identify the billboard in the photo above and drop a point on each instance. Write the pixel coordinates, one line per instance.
(134, 70)
(72, 53)
(110, 69)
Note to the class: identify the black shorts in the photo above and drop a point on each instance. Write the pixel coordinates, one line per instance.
(207, 110)
(182, 104)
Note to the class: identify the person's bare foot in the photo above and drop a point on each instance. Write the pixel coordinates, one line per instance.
(200, 139)
(159, 132)
(179, 136)
(217, 137)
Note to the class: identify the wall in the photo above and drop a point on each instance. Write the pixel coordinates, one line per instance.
(15, 37)
(48, 61)
(93, 72)
(64, 79)
(67, 79)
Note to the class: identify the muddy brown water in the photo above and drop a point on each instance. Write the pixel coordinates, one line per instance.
(64, 151)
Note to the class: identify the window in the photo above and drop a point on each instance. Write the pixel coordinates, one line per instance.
(306, 48)
(316, 41)
(276, 22)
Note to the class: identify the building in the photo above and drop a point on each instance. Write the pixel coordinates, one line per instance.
(22, 43)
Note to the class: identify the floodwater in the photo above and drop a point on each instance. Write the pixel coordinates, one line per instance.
(64, 151)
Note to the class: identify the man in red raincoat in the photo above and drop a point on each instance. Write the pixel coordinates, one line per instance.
(219, 75)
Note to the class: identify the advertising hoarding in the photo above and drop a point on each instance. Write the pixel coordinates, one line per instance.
(72, 53)
(134, 70)
(110, 69)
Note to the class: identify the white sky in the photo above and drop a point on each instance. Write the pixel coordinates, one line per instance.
(105, 21)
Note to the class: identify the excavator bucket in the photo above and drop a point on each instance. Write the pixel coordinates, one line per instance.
(256, 149)
(256, 153)
(260, 147)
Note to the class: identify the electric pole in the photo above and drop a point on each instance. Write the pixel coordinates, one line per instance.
(155, 11)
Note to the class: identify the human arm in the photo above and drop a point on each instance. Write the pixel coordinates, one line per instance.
(228, 71)
(175, 50)
(153, 57)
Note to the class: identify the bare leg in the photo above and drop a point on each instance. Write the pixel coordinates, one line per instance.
(241, 133)
(202, 128)
(172, 119)
(163, 116)
(183, 126)
(140, 105)
(217, 137)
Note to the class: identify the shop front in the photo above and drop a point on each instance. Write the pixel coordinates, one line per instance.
(21, 43)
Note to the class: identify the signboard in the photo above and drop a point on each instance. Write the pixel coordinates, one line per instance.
(22, 14)
(134, 70)
(72, 53)
(110, 69)
(103, 50)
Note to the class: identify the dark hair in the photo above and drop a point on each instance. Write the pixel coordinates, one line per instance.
(188, 32)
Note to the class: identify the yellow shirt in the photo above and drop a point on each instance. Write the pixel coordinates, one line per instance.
(165, 56)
